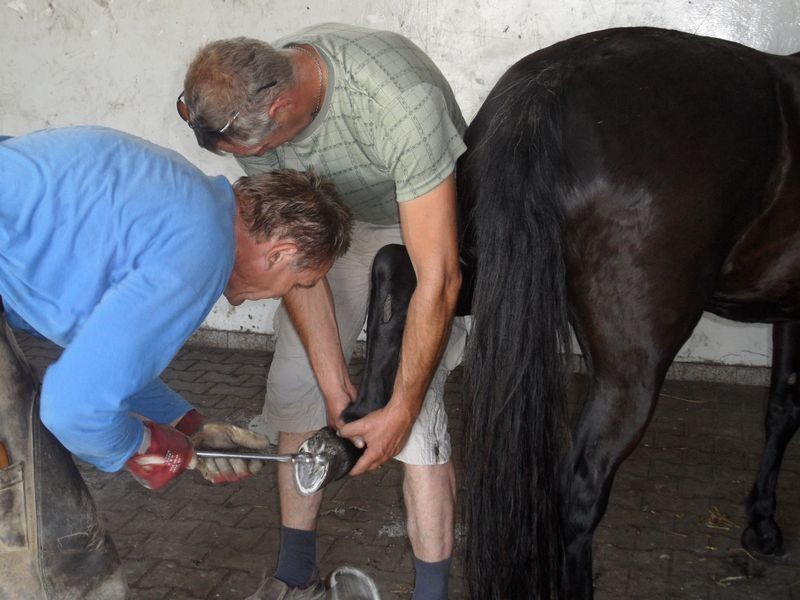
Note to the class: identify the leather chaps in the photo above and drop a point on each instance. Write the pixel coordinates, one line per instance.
(52, 545)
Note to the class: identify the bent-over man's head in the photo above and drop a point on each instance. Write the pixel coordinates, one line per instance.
(237, 92)
(290, 227)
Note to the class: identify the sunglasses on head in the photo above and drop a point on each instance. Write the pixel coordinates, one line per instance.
(183, 111)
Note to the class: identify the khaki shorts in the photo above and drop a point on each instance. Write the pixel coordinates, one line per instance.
(294, 402)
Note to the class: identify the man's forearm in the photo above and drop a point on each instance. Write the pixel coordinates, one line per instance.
(430, 314)
(313, 316)
(429, 232)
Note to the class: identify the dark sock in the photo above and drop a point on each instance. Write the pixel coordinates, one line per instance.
(298, 557)
(431, 579)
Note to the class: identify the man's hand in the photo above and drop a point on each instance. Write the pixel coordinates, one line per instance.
(223, 436)
(336, 403)
(385, 432)
(167, 454)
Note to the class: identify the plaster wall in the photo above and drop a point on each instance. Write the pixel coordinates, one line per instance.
(120, 63)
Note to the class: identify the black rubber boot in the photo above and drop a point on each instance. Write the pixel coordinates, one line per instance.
(52, 545)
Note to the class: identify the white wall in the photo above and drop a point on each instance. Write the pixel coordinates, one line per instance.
(120, 63)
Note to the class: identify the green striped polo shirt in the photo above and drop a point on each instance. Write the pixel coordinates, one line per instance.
(389, 129)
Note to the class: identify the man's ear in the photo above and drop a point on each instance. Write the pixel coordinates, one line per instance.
(278, 253)
(281, 104)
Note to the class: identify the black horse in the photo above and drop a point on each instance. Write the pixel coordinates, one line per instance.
(622, 182)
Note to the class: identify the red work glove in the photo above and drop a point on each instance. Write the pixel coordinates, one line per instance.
(168, 455)
(190, 423)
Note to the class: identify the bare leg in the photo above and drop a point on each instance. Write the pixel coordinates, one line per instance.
(429, 494)
(297, 512)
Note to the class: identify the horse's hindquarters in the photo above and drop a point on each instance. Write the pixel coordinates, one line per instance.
(609, 176)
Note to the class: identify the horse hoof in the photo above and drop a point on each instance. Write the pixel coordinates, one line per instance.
(334, 457)
(765, 543)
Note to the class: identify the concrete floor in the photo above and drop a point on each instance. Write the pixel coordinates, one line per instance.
(671, 530)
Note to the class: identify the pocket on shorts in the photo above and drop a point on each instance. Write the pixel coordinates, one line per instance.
(456, 343)
(13, 522)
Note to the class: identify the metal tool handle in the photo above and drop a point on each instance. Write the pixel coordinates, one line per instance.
(302, 457)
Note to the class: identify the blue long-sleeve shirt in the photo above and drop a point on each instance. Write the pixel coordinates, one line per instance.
(115, 249)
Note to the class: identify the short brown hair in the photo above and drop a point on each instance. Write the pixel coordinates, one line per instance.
(298, 206)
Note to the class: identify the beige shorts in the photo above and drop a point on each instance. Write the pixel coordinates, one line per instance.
(294, 402)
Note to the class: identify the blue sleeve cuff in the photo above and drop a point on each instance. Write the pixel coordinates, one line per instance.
(157, 402)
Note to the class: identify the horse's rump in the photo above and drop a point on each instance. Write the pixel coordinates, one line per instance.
(608, 178)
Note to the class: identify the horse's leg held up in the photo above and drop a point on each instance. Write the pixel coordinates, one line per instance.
(392, 283)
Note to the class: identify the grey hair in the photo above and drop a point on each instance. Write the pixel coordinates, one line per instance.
(232, 76)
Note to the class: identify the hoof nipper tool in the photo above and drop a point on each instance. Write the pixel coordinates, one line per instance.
(309, 469)
(300, 457)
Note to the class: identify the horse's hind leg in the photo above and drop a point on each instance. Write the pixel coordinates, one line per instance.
(763, 535)
(616, 413)
(627, 360)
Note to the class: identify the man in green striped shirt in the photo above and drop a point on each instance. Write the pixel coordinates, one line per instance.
(369, 110)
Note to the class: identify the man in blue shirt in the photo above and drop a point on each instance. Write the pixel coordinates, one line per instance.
(117, 249)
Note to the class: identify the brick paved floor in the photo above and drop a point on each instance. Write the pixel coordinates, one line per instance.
(659, 539)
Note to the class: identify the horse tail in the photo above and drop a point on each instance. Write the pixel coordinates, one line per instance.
(512, 180)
